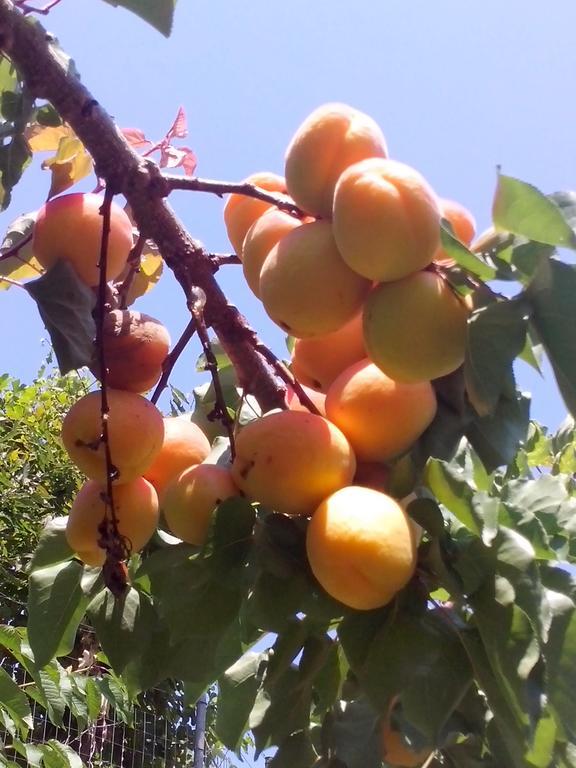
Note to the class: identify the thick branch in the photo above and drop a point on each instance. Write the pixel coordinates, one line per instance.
(140, 181)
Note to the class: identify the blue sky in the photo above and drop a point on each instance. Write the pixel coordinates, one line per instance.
(458, 89)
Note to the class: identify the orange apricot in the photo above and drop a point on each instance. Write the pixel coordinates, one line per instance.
(135, 346)
(329, 140)
(190, 499)
(135, 434)
(415, 329)
(293, 401)
(317, 361)
(360, 547)
(463, 226)
(380, 417)
(259, 241)
(395, 749)
(386, 219)
(184, 444)
(136, 510)
(306, 287)
(70, 228)
(240, 211)
(290, 461)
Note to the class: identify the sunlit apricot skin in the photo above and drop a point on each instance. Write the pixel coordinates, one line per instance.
(463, 226)
(69, 227)
(241, 211)
(381, 418)
(290, 461)
(136, 510)
(319, 360)
(135, 434)
(415, 329)
(360, 547)
(183, 445)
(189, 500)
(135, 346)
(329, 140)
(386, 219)
(262, 236)
(305, 286)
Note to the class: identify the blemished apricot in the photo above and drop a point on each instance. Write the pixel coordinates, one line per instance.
(317, 361)
(380, 417)
(360, 547)
(293, 401)
(240, 211)
(135, 434)
(259, 241)
(463, 225)
(395, 750)
(329, 140)
(415, 328)
(190, 499)
(183, 445)
(135, 507)
(290, 461)
(305, 286)
(135, 346)
(386, 219)
(70, 228)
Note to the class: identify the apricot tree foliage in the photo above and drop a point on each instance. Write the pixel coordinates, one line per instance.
(476, 655)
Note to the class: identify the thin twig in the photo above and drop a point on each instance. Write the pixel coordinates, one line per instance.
(26, 8)
(171, 359)
(221, 188)
(134, 265)
(15, 248)
(220, 259)
(287, 377)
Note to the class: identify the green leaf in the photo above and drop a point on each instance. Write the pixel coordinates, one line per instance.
(560, 653)
(295, 752)
(158, 13)
(355, 735)
(464, 257)
(551, 295)
(14, 701)
(52, 547)
(65, 304)
(237, 691)
(496, 438)
(59, 755)
(452, 490)
(496, 336)
(523, 210)
(56, 604)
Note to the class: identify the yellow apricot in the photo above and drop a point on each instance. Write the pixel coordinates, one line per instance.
(190, 499)
(360, 547)
(135, 433)
(319, 360)
(386, 219)
(135, 507)
(184, 444)
(305, 286)
(463, 226)
(259, 241)
(290, 461)
(240, 211)
(380, 417)
(415, 328)
(395, 749)
(293, 402)
(329, 140)
(135, 346)
(70, 228)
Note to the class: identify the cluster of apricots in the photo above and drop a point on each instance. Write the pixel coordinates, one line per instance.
(358, 280)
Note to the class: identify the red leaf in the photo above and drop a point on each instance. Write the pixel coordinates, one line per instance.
(179, 129)
(173, 157)
(135, 138)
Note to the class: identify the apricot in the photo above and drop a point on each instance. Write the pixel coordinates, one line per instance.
(135, 434)
(463, 226)
(183, 445)
(135, 346)
(95, 558)
(190, 499)
(318, 399)
(240, 211)
(360, 547)
(290, 461)
(380, 417)
(259, 241)
(329, 140)
(372, 474)
(306, 287)
(386, 219)
(136, 510)
(415, 329)
(317, 361)
(395, 749)
(70, 228)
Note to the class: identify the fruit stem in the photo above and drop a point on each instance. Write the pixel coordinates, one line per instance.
(171, 358)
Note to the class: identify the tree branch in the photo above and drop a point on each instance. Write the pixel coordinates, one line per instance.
(141, 182)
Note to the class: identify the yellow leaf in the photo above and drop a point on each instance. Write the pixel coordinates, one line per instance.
(23, 264)
(46, 138)
(70, 164)
(145, 279)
